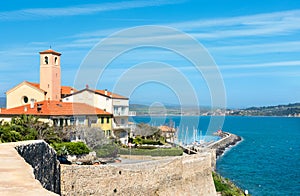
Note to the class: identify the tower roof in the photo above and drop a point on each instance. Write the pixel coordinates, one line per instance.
(50, 51)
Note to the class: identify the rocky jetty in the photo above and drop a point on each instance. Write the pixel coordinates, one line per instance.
(228, 139)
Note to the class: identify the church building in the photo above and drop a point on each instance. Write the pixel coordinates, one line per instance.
(44, 99)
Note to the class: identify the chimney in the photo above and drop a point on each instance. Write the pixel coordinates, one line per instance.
(39, 107)
(31, 103)
(86, 86)
(105, 92)
(25, 109)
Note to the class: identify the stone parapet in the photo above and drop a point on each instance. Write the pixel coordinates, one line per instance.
(185, 175)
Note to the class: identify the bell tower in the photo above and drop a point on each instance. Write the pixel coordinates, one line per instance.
(50, 78)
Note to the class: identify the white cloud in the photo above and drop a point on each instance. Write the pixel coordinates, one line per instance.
(284, 74)
(289, 46)
(86, 9)
(283, 22)
(263, 65)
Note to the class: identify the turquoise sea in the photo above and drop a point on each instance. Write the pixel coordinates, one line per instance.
(266, 162)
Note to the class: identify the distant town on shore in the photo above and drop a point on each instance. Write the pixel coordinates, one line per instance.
(289, 110)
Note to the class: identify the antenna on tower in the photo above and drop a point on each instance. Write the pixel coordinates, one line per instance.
(50, 46)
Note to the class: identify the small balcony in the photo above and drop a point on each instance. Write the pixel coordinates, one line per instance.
(132, 113)
(116, 113)
(120, 126)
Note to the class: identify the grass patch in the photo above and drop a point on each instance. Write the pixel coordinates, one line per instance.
(107, 150)
(152, 152)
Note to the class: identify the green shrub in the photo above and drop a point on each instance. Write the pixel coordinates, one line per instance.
(72, 148)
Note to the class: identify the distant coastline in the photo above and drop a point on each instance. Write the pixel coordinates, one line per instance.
(288, 110)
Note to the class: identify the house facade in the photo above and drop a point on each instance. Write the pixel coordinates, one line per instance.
(105, 100)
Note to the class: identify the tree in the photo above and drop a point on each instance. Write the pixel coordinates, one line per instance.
(92, 136)
(147, 131)
(27, 127)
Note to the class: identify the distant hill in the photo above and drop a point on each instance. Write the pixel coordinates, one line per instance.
(2, 102)
(143, 109)
(292, 109)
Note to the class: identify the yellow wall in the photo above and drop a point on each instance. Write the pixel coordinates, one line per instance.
(104, 126)
(14, 97)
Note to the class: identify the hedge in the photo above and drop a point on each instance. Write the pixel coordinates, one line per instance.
(72, 148)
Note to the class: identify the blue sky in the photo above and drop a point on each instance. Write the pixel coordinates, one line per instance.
(256, 45)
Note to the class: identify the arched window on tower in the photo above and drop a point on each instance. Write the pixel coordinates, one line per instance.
(46, 60)
(55, 60)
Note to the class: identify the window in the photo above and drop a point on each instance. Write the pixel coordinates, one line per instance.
(46, 60)
(61, 122)
(55, 122)
(81, 120)
(25, 99)
(55, 60)
(107, 120)
(122, 121)
(72, 121)
(102, 120)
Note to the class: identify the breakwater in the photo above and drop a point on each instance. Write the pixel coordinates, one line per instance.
(227, 140)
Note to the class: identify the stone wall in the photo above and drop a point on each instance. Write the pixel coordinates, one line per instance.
(186, 175)
(43, 160)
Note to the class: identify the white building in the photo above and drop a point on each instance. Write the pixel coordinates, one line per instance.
(110, 102)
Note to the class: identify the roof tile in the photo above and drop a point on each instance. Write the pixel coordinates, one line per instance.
(55, 108)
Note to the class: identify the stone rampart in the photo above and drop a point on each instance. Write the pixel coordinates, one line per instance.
(30, 175)
(185, 175)
(42, 159)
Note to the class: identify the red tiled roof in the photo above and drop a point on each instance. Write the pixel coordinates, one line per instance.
(65, 90)
(34, 84)
(110, 94)
(55, 108)
(165, 128)
(50, 51)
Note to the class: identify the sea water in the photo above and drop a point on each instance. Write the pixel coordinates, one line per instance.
(266, 162)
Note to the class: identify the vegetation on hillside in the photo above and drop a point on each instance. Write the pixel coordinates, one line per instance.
(226, 187)
(279, 110)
